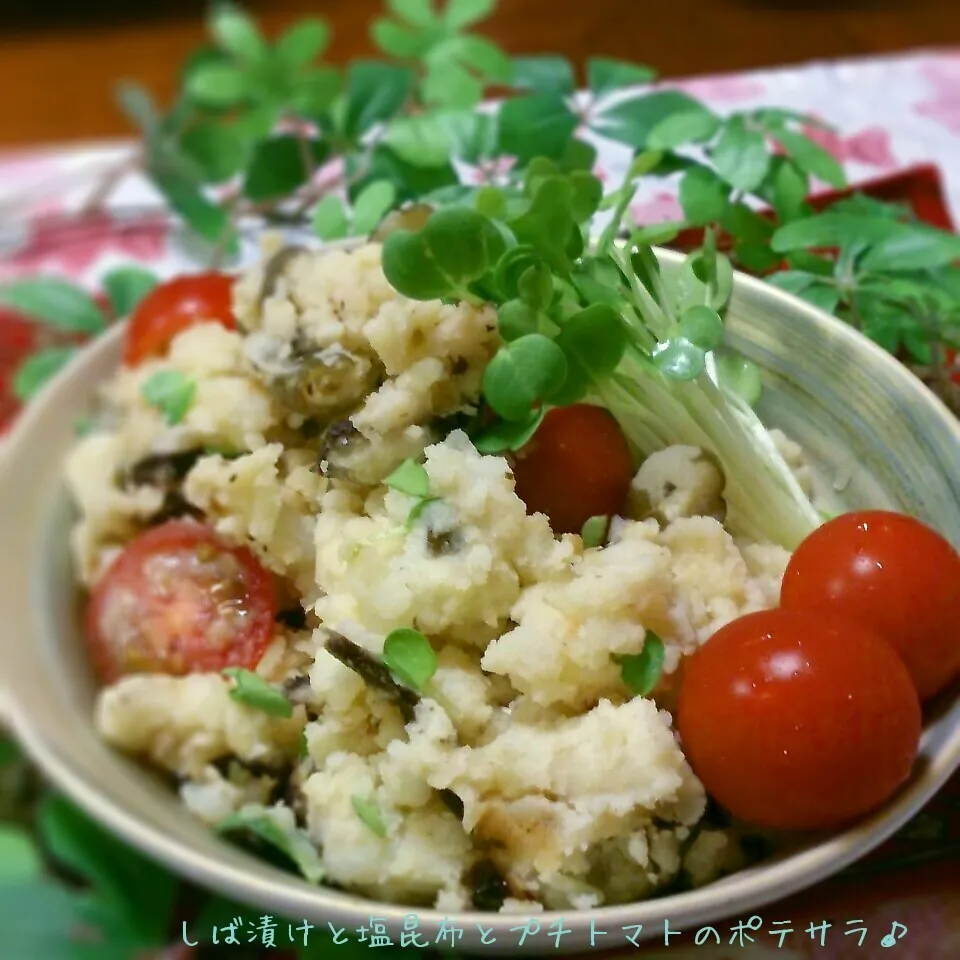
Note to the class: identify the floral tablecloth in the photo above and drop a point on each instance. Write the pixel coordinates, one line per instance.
(889, 114)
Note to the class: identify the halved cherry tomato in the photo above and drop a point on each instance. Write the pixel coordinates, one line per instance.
(179, 600)
(577, 466)
(893, 574)
(172, 307)
(798, 720)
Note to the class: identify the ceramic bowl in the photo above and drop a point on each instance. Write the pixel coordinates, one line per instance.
(877, 438)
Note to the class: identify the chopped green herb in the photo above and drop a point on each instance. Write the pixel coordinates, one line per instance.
(410, 478)
(641, 671)
(287, 839)
(594, 532)
(304, 745)
(171, 392)
(509, 435)
(369, 813)
(254, 692)
(126, 287)
(84, 426)
(409, 655)
(38, 369)
(56, 302)
(418, 509)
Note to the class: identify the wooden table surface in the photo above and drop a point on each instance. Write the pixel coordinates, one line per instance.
(59, 59)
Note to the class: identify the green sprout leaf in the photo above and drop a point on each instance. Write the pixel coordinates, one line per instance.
(524, 373)
(678, 129)
(303, 43)
(641, 671)
(39, 368)
(126, 287)
(633, 121)
(279, 166)
(20, 861)
(410, 478)
(811, 158)
(516, 319)
(369, 812)
(464, 13)
(218, 85)
(509, 435)
(292, 843)
(605, 75)
(539, 125)
(372, 205)
(703, 196)
(595, 531)
(56, 302)
(595, 339)
(236, 33)
(740, 155)
(253, 691)
(219, 150)
(703, 327)
(679, 359)
(408, 654)
(205, 218)
(330, 220)
(171, 392)
(375, 92)
(544, 74)
(740, 377)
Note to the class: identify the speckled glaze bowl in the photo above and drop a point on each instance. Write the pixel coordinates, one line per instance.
(877, 438)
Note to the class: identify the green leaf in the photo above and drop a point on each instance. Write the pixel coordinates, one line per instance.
(330, 221)
(913, 248)
(171, 392)
(218, 149)
(277, 168)
(480, 55)
(547, 74)
(419, 13)
(703, 327)
(138, 106)
(293, 844)
(539, 125)
(679, 359)
(516, 319)
(408, 654)
(833, 230)
(142, 892)
(218, 85)
(633, 121)
(372, 205)
(756, 257)
(38, 368)
(504, 435)
(20, 861)
(253, 691)
(399, 41)
(56, 302)
(811, 157)
(595, 338)
(737, 375)
(236, 33)
(793, 281)
(641, 671)
(410, 478)
(594, 532)
(821, 296)
(523, 373)
(448, 84)
(204, 217)
(368, 811)
(746, 225)
(314, 92)
(740, 155)
(678, 129)
(126, 287)
(411, 182)
(703, 196)
(426, 140)
(786, 189)
(375, 92)
(464, 13)
(9, 752)
(303, 43)
(605, 75)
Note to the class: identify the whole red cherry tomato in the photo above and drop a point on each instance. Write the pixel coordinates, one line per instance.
(892, 573)
(577, 466)
(798, 720)
(173, 307)
(177, 600)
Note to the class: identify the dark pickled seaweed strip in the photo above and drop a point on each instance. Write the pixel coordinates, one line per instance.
(273, 269)
(294, 617)
(442, 543)
(452, 802)
(162, 469)
(175, 506)
(372, 672)
(338, 436)
(487, 885)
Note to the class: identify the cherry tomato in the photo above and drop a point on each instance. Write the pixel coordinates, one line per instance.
(893, 574)
(172, 307)
(953, 363)
(798, 720)
(577, 466)
(178, 600)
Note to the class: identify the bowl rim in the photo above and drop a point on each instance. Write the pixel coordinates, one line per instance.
(290, 895)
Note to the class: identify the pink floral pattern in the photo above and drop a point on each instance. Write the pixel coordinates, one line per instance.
(870, 146)
(943, 76)
(728, 88)
(660, 208)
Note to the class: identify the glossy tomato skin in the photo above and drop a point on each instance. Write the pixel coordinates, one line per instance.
(577, 466)
(178, 599)
(892, 573)
(797, 721)
(174, 306)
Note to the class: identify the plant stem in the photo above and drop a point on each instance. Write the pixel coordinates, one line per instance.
(112, 179)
